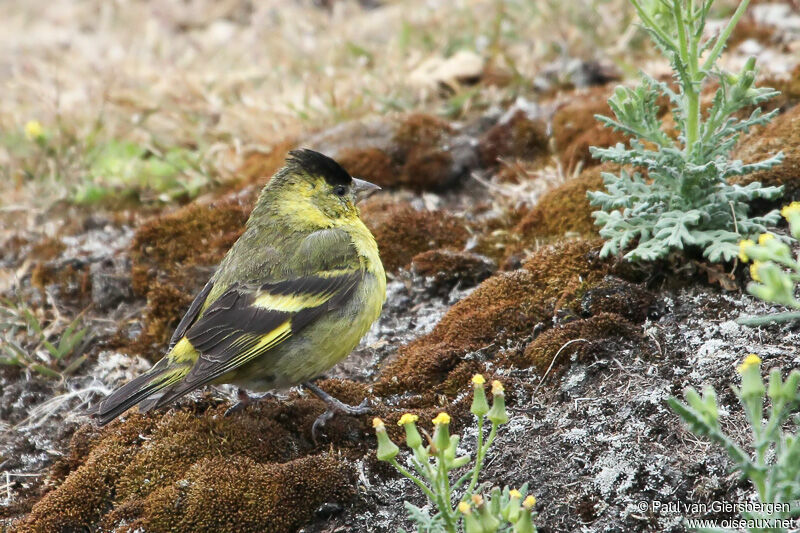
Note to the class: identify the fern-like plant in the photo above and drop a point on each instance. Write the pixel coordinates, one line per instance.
(684, 199)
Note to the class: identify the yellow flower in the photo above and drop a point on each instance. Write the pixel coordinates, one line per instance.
(765, 237)
(497, 388)
(407, 418)
(478, 379)
(514, 493)
(792, 208)
(378, 424)
(441, 418)
(33, 130)
(750, 360)
(754, 270)
(477, 499)
(464, 508)
(743, 245)
(529, 502)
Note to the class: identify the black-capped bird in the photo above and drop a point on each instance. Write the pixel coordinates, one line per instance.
(292, 297)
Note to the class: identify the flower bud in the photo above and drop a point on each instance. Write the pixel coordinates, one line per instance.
(525, 522)
(512, 509)
(413, 438)
(744, 245)
(441, 432)
(387, 450)
(750, 370)
(471, 521)
(497, 414)
(479, 404)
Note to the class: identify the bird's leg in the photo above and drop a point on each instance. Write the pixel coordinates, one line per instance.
(244, 400)
(334, 406)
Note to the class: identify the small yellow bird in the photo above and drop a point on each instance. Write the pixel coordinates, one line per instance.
(292, 297)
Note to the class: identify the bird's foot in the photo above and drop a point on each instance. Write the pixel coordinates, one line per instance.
(245, 400)
(334, 407)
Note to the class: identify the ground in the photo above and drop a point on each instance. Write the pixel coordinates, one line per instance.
(161, 123)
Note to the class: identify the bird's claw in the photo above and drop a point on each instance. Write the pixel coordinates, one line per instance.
(337, 407)
(245, 400)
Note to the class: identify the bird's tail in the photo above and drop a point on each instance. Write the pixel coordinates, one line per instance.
(158, 378)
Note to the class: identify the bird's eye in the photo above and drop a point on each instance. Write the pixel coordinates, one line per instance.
(340, 190)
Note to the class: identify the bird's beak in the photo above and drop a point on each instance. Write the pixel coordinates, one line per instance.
(364, 188)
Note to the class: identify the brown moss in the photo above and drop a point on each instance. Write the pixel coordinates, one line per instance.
(412, 152)
(445, 268)
(73, 281)
(614, 295)
(194, 235)
(403, 232)
(577, 116)
(260, 166)
(518, 138)
(162, 472)
(564, 209)
(578, 153)
(419, 129)
(47, 249)
(604, 335)
(749, 28)
(371, 164)
(782, 134)
(236, 493)
(503, 308)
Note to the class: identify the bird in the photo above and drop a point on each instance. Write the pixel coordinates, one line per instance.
(293, 296)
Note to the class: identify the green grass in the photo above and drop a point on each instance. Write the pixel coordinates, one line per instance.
(40, 347)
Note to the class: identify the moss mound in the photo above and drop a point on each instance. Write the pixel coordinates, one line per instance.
(444, 268)
(417, 155)
(517, 138)
(186, 471)
(603, 335)
(577, 153)
(403, 232)
(564, 209)
(504, 308)
(782, 134)
(576, 116)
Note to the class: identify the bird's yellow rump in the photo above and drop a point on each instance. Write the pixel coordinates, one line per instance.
(293, 296)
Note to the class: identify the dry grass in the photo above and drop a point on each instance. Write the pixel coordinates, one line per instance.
(219, 78)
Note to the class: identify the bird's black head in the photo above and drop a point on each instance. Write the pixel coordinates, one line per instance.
(319, 166)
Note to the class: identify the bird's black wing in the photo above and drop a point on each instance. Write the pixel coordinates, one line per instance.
(191, 315)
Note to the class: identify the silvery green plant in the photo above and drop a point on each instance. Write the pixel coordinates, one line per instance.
(684, 199)
(775, 270)
(432, 460)
(774, 465)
